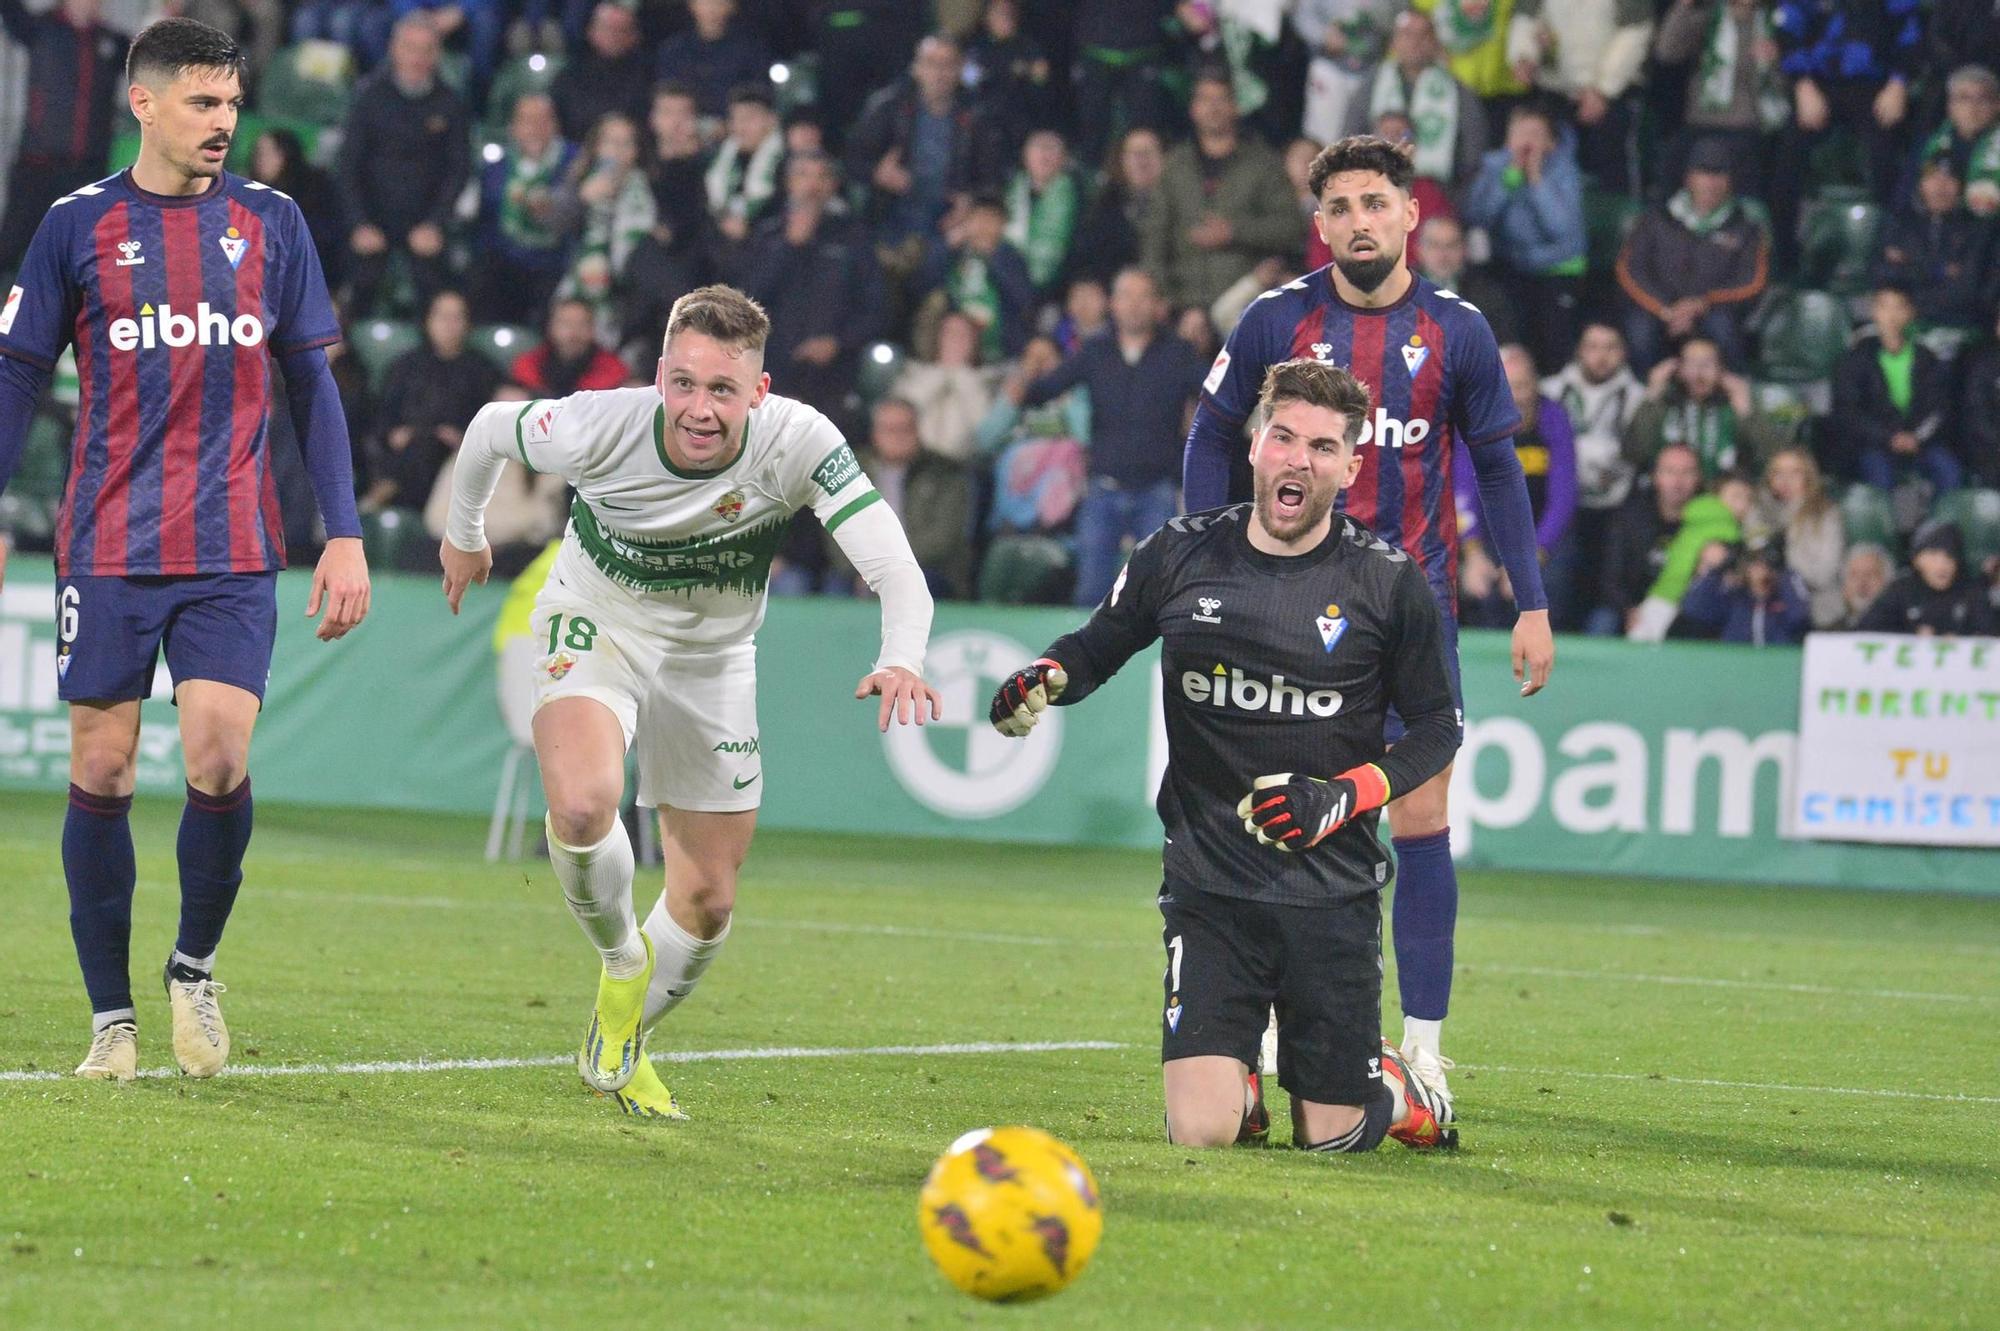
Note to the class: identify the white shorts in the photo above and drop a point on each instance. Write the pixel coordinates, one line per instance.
(690, 714)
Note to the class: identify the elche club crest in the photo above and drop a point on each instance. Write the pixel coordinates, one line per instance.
(730, 507)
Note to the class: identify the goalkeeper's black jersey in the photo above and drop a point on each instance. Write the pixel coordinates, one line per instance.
(1273, 664)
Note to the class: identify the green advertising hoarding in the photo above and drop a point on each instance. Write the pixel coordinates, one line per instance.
(1675, 760)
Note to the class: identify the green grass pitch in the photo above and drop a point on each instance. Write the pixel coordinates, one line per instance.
(1683, 1106)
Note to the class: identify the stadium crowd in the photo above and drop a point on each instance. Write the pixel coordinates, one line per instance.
(1741, 257)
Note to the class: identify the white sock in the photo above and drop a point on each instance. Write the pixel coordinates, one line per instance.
(682, 959)
(597, 884)
(1421, 1034)
(206, 965)
(99, 1020)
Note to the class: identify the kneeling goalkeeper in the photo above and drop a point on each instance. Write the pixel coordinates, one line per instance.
(1286, 631)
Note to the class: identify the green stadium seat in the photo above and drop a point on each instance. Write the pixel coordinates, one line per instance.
(1785, 405)
(1868, 516)
(1607, 217)
(1837, 239)
(1025, 569)
(1803, 334)
(801, 85)
(310, 82)
(379, 341)
(393, 537)
(1977, 513)
(501, 343)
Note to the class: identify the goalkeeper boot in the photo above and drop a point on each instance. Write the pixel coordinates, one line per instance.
(201, 1040)
(1256, 1129)
(646, 1096)
(114, 1053)
(612, 1045)
(1430, 1067)
(1428, 1124)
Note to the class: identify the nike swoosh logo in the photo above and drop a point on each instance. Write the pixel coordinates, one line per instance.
(742, 782)
(622, 508)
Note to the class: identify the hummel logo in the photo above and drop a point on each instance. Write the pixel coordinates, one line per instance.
(1206, 614)
(743, 781)
(130, 249)
(1321, 350)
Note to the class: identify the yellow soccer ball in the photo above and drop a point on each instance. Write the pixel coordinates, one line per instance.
(1010, 1213)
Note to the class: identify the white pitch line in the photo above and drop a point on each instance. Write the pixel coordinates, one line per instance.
(1558, 1074)
(672, 1056)
(1712, 982)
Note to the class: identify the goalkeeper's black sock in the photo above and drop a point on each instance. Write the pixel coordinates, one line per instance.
(1366, 1135)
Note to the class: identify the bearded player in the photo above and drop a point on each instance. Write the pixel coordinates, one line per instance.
(1430, 362)
(178, 284)
(648, 624)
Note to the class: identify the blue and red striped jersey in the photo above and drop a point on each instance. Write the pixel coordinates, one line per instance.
(176, 306)
(1433, 368)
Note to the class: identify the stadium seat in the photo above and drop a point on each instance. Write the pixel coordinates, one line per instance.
(1607, 217)
(1869, 517)
(1803, 333)
(309, 82)
(1025, 570)
(379, 341)
(501, 343)
(1977, 513)
(881, 362)
(1787, 406)
(391, 537)
(1837, 240)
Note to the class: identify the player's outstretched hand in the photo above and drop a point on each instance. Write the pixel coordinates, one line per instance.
(904, 693)
(341, 580)
(463, 568)
(1024, 695)
(1534, 649)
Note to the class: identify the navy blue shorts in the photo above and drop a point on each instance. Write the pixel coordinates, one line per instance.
(109, 632)
(1392, 724)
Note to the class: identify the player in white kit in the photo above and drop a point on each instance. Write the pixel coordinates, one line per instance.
(648, 627)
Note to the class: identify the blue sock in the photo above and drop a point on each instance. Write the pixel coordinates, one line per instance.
(1424, 914)
(215, 831)
(97, 863)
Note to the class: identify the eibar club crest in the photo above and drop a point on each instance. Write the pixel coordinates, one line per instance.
(1331, 626)
(233, 245)
(730, 506)
(1415, 354)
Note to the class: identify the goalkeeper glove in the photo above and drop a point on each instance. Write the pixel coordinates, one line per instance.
(1298, 812)
(1020, 701)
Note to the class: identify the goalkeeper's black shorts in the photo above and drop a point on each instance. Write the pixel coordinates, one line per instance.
(1230, 960)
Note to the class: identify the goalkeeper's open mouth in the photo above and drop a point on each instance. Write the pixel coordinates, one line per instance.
(1289, 499)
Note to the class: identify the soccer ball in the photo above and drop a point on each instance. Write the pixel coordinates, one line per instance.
(1010, 1213)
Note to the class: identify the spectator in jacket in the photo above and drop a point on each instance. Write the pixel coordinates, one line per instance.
(1734, 90)
(712, 57)
(1938, 596)
(1797, 512)
(523, 247)
(278, 159)
(1890, 398)
(1601, 394)
(607, 207)
(950, 394)
(75, 72)
(1108, 238)
(404, 157)
(1546, 446)
(1638, 536)
(1529, 197)
(1588, 53)
(1347, 40)
(1691, 399)
(1447, 119)
(1044, 201)
(1939, 253)
(1121, 47)
(1224, 203)
(930, 495)
(1009, 70)
(1749, 597)
(428, 395)
(569, 358)
(1979, 413)
(1968, 137)
(1440, 256)
(612, 72)
(813, 269)
(1142, 382)
(1711, 526)
(742, 180)
(1694, 264)
(981, 275)
(920, 142)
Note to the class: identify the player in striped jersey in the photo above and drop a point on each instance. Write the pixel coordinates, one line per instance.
(1430, 362)
(177, 283)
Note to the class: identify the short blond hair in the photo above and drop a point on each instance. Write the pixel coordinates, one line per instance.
(1318, 384)
(723, 313)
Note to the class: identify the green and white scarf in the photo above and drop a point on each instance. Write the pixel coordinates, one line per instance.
(1707, 428)
(1681, 209)
(1715, 80)
(1459, 33)
(1041, 225)
(973, 293)
(1432, 107)
(754, 181)
(525, 175)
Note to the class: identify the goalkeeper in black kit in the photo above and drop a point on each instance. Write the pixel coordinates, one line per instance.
(1286, 631)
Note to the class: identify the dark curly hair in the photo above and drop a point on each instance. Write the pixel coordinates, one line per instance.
(1318, 384)
(1362, 152)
